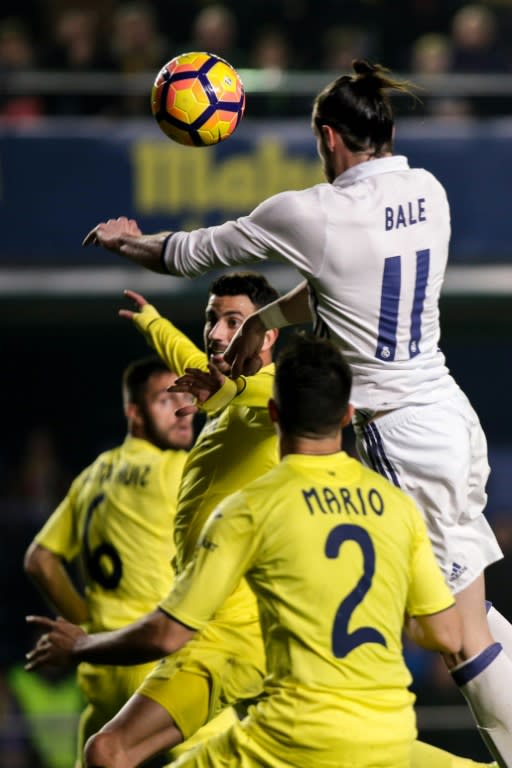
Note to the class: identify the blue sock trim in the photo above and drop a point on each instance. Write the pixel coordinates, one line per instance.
(488, 606)
(472, 668)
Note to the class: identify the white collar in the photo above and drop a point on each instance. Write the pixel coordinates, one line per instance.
(371, 168)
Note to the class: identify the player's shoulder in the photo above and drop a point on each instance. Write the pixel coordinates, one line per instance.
(105, 457)
(256, 493)
(427, 178)
(291, 205)
(265, 493)
(173, 458)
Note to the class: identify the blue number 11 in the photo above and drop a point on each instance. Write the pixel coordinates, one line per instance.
(390, 302)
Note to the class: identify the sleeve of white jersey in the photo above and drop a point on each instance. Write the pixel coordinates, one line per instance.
(285, 228)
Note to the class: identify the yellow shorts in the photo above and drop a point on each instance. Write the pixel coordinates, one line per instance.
(219, 724)
(240, 747)
(223, 665)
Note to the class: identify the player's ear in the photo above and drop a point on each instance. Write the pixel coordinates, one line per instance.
(329, 137)
(133, 415)
(347, 416)
(269, 339)
(273, 411)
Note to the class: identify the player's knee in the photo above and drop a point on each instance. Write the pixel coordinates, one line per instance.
(101, 750)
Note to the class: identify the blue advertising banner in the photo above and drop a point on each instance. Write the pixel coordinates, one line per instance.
(59, 178)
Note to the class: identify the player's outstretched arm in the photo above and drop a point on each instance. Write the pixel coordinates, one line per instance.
(243, 351)
(65, 645)
(200, 384)
(123, 236)
(139, 301)
(175, 348)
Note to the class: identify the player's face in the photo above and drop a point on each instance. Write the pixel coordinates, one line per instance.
(161, 426)
(224, 316)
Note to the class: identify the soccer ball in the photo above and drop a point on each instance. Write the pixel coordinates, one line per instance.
(198, 99)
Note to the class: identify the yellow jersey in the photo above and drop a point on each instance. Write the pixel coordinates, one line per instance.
(118, 518)
(335, 555)
(237, 444)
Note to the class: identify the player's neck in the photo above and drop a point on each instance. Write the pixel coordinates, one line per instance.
(308, 446)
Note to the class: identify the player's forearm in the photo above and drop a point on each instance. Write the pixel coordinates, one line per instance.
(144, 250)
(149, 639)
(290, 309)
(437, 632)
(65, 600)
(174, 348)
(50, 577)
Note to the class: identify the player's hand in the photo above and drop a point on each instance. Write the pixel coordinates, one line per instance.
(55, 647)
(139, 301)
(107, 233)
(243, 351)
(201, 384)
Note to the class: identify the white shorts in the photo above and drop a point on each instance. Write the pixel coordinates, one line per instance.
(437, 453)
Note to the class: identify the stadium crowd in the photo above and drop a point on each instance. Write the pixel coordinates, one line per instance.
(421, 38)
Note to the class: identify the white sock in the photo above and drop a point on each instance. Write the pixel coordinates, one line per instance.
(485, 681)
(501, 629)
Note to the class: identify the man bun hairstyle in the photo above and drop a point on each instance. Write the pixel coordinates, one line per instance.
(358, 107)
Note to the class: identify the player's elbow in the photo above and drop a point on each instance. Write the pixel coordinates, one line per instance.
(449, 640)
(169, 635)
(442, 631)
(450, 630)
(35, 562)
(437, 632)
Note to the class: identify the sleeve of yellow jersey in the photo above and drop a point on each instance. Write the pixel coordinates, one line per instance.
(225, 551)
(60, 533)
(428, 591)
(174, 348)
(244, 391)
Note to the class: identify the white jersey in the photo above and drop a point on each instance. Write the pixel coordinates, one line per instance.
(373, 247)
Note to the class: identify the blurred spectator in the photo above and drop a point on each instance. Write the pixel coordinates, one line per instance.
(477, 49)
(431, 56)
(138, 46)
(271, 51)
(92, 36)
(215, 29)
(344, 43)
(272, 56)
(17, 54)
(410, 20)
(476, 45)
(77, 46)
(137, 43)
